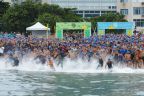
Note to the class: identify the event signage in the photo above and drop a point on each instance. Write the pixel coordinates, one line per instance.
(128, 26)
(60, 26)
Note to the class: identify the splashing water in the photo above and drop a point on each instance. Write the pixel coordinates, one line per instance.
(72, 66)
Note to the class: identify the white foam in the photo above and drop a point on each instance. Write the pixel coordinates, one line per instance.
(95, 81)
(90, 95)
(140, 93)
(69, 66)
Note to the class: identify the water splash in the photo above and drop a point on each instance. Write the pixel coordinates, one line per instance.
(72, 66)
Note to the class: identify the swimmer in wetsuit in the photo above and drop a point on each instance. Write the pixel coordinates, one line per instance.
(109, 64)
(15, 60)
(41, 59)
(100, 62)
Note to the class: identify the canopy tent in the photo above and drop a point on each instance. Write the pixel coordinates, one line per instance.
(38, 30)
(37, 26)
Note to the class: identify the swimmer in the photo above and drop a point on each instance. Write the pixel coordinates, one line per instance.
(14, 60)
(50, 63)
(109, 64)
(41, 59)
(100, 62)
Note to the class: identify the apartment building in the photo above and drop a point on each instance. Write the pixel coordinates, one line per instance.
(133, 11)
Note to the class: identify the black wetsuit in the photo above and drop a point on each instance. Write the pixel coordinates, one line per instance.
(100, 62)
(109, 64)
(15, 61)
(41, 58)
(61, 59)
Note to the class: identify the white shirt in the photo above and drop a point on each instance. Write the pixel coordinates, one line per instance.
(1, 50)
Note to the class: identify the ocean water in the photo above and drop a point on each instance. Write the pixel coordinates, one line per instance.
(28, 83)
(77, 78)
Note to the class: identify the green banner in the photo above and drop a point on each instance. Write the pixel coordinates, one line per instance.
(60, 26)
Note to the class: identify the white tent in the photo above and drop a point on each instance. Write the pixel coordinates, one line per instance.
(37, 26)
(38, 30)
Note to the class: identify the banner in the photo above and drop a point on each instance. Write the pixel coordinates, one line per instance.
(128, 26)
(60, 26)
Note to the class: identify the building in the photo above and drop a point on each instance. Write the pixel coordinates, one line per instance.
(87, 8)
(133, 11)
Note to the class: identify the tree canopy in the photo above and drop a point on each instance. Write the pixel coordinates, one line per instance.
(3, 7)
(18, 17)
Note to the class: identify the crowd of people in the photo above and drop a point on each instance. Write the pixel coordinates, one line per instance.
(112, 48)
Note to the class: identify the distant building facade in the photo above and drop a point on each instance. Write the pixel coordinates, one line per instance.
(87, 8)
(133, 11)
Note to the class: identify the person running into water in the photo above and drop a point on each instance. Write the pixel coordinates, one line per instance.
(109, 64)
(62, 55)
(16, 61)
(100, 65)
(50, 63)
(13, 60)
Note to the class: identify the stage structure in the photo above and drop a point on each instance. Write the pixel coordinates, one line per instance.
(60, 26)
(128, 26)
